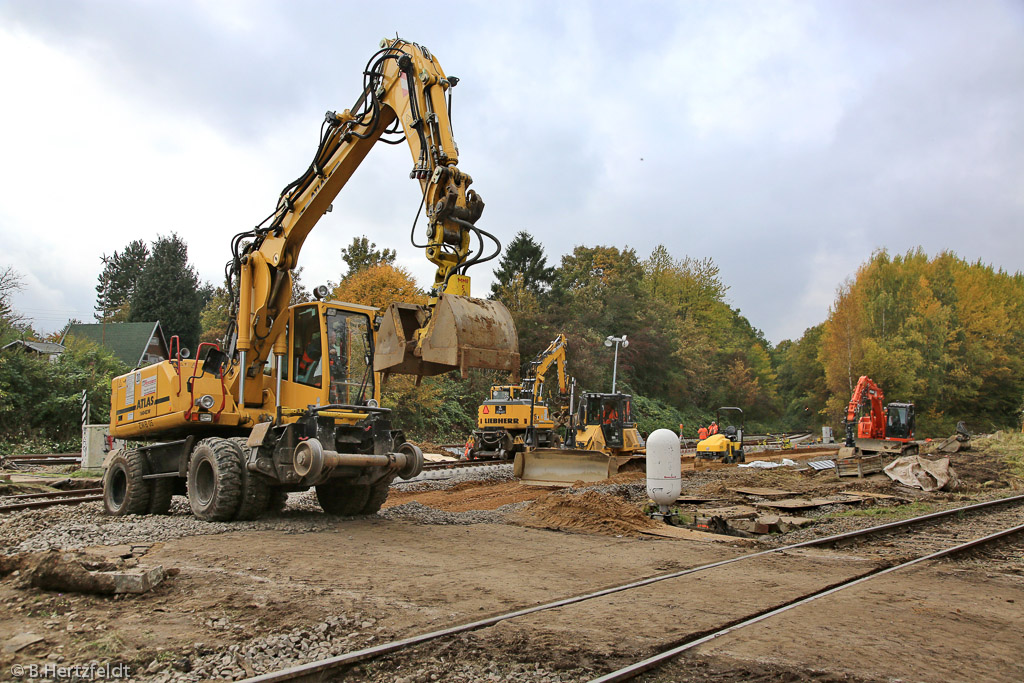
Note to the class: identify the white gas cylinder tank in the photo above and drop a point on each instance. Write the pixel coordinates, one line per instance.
(663, 467)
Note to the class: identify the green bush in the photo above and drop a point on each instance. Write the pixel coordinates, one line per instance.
(40, 400)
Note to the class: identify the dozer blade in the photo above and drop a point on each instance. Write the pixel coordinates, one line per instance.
(460, 333)
(564, 467)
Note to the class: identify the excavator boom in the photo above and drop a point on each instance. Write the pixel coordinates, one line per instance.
(404, 90)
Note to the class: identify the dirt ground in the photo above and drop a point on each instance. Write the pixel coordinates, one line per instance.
(946, 621)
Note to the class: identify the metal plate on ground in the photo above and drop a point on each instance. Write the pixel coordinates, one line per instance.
(757, 491)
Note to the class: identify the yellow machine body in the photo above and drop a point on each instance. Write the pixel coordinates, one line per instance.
(336, 338)
(606, 442)
(516, 417)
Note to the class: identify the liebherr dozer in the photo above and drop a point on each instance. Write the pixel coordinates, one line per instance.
(606, 442)
(234, 432)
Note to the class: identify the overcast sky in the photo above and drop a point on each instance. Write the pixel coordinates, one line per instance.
(786, 140)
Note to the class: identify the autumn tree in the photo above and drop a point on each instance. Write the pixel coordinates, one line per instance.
(939, 332)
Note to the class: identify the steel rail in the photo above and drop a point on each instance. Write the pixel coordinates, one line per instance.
(633, 670)
(51, 494)
(312, 669)
(43, 500)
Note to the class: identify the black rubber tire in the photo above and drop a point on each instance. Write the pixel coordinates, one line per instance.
(255, 486)
(378, 494)
(215, 480)
(160, 493)
(342, 499)
(125, 492)
(277, 501)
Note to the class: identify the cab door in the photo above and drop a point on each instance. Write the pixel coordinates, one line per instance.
(304, 379)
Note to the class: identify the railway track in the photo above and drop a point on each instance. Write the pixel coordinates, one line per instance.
(54, 460)
(433, 471)
(979, 524)
(26, 501)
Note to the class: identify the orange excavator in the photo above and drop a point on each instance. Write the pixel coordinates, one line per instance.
(883, 429)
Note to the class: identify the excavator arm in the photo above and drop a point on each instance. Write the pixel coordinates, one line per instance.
(865, 391)
(404, 90)
(554, 354)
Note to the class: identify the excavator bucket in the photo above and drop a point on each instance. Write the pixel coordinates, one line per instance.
(564, 467)
(460, 333)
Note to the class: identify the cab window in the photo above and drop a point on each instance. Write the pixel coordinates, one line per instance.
(350, 356)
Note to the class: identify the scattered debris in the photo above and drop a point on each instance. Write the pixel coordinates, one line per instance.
(821, 464)
(756, 491)
(858, 465)
(82, 573)
(918, 472)
(20, 642)
(765, 465)
(961, 441)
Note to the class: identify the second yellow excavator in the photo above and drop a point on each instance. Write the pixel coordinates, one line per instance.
(517, 416)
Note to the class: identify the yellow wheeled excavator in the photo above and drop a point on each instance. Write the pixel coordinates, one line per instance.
(517, 417)
(235, 432)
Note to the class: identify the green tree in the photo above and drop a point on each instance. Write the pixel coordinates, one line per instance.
(168, 290)
(363, 253)
(524, 261)
(117, 281)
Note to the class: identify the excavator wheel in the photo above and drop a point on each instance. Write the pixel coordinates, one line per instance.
(378, 494)
(125, 492)
(215, 480)
(160, 493)
(255, 487)
(342, 499)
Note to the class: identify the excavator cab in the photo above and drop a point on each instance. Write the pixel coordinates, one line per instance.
(899, 420)
(330, 356)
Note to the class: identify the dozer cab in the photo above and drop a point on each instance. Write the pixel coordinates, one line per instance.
(727, 444)
(605, 442)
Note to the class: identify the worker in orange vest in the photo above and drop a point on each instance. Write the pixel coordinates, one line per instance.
(702, 433)
(713, 429)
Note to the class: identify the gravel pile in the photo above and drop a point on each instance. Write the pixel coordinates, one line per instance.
(331, 637)
(335, 636)
(421, 514)
(73, 527)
